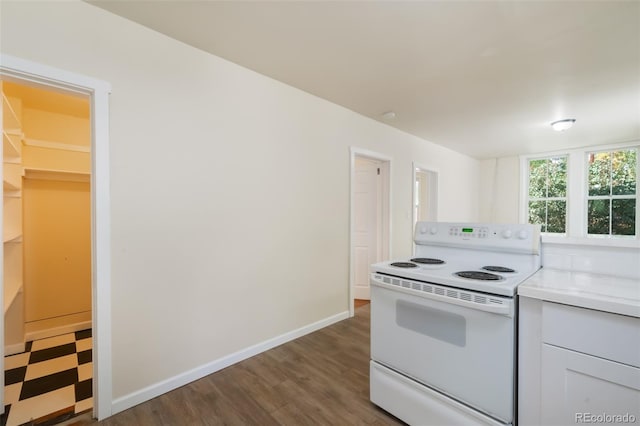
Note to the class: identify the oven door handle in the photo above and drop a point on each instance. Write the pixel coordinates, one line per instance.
(451, 296)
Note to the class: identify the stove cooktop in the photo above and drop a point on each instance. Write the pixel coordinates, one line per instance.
(488, 258)
(463, 275)
(487, 272)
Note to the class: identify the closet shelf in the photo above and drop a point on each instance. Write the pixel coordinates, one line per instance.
(52, 174)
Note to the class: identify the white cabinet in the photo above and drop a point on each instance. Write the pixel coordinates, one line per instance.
(577, 365)
(575, 385)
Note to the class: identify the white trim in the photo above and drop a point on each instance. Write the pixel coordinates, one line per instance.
(55, 145)
(524, 188)
(21, 71)
(164, 386)
(387, 222)
(577, 198)
(429, 169)
(369, 154)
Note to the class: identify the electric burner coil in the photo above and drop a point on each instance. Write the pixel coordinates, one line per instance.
(478, 275)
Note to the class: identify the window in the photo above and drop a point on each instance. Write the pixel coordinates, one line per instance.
(584, 193)
(611, 199)
(547, 201)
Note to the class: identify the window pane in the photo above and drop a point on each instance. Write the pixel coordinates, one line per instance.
(556, 216)
(599, 173)
(557, 181)
(623, 220)
(537, 213)
(537, 178)
(598, 217)
(624, 172)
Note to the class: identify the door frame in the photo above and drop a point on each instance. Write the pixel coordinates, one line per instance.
(385, 232)
(434, 198)
(26, 72)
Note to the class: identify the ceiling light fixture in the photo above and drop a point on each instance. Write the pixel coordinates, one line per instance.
(562, 125)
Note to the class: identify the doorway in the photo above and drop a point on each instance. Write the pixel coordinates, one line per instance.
(370, 219)
(16, 70)
(425, 194)
(49, 375)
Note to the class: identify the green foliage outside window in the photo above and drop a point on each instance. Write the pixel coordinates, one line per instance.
(611, 201)
(548, 193)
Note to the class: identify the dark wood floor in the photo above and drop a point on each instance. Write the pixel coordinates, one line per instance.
(360, 302)
(319, 379)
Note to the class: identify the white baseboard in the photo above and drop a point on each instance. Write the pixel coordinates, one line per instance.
(157, 389)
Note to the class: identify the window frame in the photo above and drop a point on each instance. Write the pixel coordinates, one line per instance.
(547, 198)
(577, 194)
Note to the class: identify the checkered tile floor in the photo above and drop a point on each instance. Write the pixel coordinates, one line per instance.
(51, 379)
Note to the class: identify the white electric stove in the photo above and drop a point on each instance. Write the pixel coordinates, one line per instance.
(443, 323)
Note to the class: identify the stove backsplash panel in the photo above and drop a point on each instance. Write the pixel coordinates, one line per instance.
(617, 261)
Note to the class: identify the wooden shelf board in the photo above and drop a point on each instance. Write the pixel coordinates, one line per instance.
(52, 174)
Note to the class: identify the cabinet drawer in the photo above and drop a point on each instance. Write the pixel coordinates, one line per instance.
(609, 336)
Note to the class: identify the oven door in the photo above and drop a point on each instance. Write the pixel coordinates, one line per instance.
(444, 340)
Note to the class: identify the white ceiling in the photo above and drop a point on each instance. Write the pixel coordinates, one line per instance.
(483, 78)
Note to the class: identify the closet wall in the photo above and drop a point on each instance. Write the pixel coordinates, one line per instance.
(56, 212)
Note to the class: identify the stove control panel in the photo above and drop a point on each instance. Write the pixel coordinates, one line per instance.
(470, 232)
(507, 237)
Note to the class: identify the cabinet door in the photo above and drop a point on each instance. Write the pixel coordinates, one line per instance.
(576, 386)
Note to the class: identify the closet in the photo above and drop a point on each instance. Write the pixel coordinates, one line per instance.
(47, 214)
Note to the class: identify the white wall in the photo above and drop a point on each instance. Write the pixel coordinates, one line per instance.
(500, 183)
(230, 191)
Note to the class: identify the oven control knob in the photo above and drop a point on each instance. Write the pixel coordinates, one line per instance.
(433, 230)
(507, 233)
(522, 234)
(423, 230)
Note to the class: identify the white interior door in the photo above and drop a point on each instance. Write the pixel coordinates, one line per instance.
(367, 221)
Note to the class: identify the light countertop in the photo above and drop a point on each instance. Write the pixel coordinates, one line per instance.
(586, 290)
